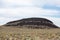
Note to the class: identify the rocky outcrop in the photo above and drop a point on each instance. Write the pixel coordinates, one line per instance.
(33, 23)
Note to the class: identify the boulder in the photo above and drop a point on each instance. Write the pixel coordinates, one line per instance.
(32, 23)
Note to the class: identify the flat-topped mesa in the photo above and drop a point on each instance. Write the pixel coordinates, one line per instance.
(33, 23)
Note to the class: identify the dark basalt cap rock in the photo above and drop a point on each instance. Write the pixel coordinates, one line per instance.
(33, 23)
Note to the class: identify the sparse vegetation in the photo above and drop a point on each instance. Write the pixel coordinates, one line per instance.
(13, 33)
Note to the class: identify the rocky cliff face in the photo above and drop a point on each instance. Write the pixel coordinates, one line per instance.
(33, 23)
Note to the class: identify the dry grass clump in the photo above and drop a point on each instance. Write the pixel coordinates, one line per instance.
(8, 33)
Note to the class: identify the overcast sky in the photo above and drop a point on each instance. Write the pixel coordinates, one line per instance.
(17, 9)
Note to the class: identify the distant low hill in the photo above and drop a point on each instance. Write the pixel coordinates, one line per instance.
(32, 23)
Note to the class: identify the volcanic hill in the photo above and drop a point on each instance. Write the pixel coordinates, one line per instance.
(32, 23)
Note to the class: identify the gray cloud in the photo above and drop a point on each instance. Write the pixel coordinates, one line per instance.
(17, 9)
